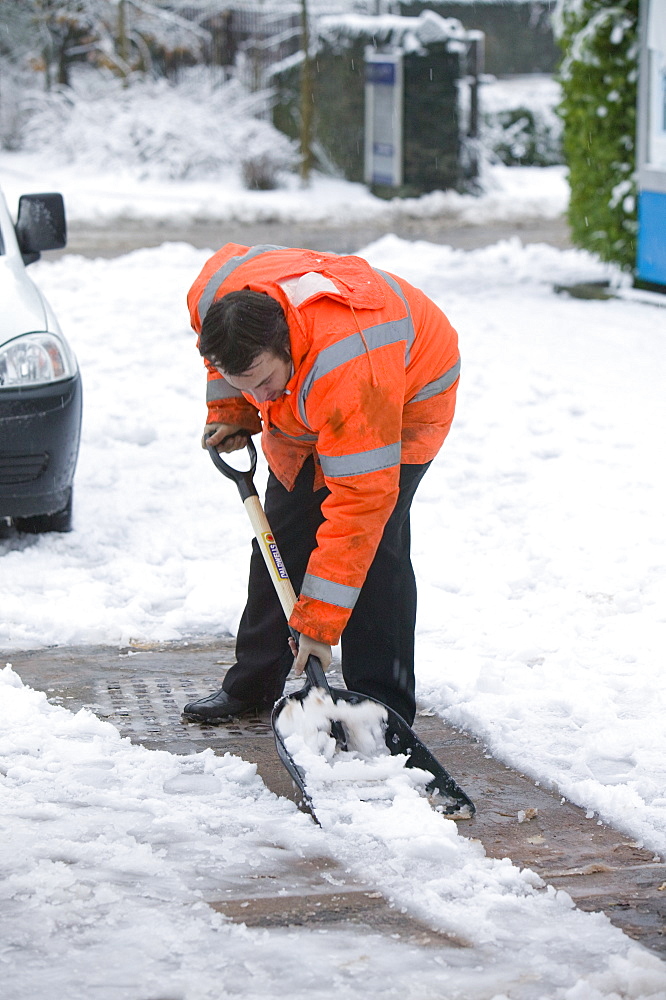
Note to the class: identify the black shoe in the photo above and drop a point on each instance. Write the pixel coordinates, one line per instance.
(218, 707)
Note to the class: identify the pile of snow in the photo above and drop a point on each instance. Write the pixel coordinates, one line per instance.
(363, 770)
(342, 745)
(109, 853)
(310, 719)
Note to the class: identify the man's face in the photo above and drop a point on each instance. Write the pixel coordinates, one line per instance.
(265, 380)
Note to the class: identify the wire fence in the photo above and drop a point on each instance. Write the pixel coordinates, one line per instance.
(248, 37)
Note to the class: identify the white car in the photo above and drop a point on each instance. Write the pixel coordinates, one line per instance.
(40, 383)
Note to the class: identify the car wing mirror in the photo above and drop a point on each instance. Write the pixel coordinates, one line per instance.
(40, 225)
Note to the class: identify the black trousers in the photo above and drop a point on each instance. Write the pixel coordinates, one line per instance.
(378, 641)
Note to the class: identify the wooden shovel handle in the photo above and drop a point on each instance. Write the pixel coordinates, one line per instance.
(271, 554)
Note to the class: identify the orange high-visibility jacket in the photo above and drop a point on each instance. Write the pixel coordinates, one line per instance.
(375, 373)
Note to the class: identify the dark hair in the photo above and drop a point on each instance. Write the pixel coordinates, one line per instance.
(239, 327)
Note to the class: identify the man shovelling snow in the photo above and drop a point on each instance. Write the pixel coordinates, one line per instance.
(351, 375)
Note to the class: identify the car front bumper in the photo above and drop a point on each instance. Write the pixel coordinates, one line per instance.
(40, 428)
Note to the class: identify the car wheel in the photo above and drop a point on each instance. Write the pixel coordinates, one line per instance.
(39, 523)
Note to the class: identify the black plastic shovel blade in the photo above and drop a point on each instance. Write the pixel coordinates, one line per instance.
(296, 773)
(443, 792)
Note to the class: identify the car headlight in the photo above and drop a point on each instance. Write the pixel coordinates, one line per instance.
(35, 359)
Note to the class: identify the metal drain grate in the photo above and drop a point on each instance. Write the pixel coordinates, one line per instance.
(149, 710)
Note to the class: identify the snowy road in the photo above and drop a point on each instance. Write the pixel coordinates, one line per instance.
(541, 557)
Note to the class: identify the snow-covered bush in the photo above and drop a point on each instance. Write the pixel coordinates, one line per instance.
(260, 159)
(196, 129)
(599, 75)
(12, 88)
(519, 121)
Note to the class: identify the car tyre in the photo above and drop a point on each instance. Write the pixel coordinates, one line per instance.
(40, 523)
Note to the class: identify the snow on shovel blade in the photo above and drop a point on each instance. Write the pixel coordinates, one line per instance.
(364, 721)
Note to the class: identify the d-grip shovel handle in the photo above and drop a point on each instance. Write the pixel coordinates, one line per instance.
(262, 529)
(244, 480)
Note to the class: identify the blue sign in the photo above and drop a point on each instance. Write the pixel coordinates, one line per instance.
(380, 72)
(651, 262)
(383, 117)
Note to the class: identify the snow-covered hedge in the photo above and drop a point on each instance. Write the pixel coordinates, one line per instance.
(153, 128)
(599, 79)
(519, 121)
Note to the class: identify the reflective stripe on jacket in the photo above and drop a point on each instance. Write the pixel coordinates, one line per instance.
(376, 369)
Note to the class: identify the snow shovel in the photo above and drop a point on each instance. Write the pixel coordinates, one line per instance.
(443, 792)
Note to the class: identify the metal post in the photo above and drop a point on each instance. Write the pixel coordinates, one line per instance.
(306, 97)
(123, 40)
(476, 59)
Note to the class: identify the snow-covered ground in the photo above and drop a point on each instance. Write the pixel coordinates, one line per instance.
(91, 196)
(540, 553)
(109, 852)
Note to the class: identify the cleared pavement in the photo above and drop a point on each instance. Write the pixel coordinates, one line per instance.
(141, 689)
